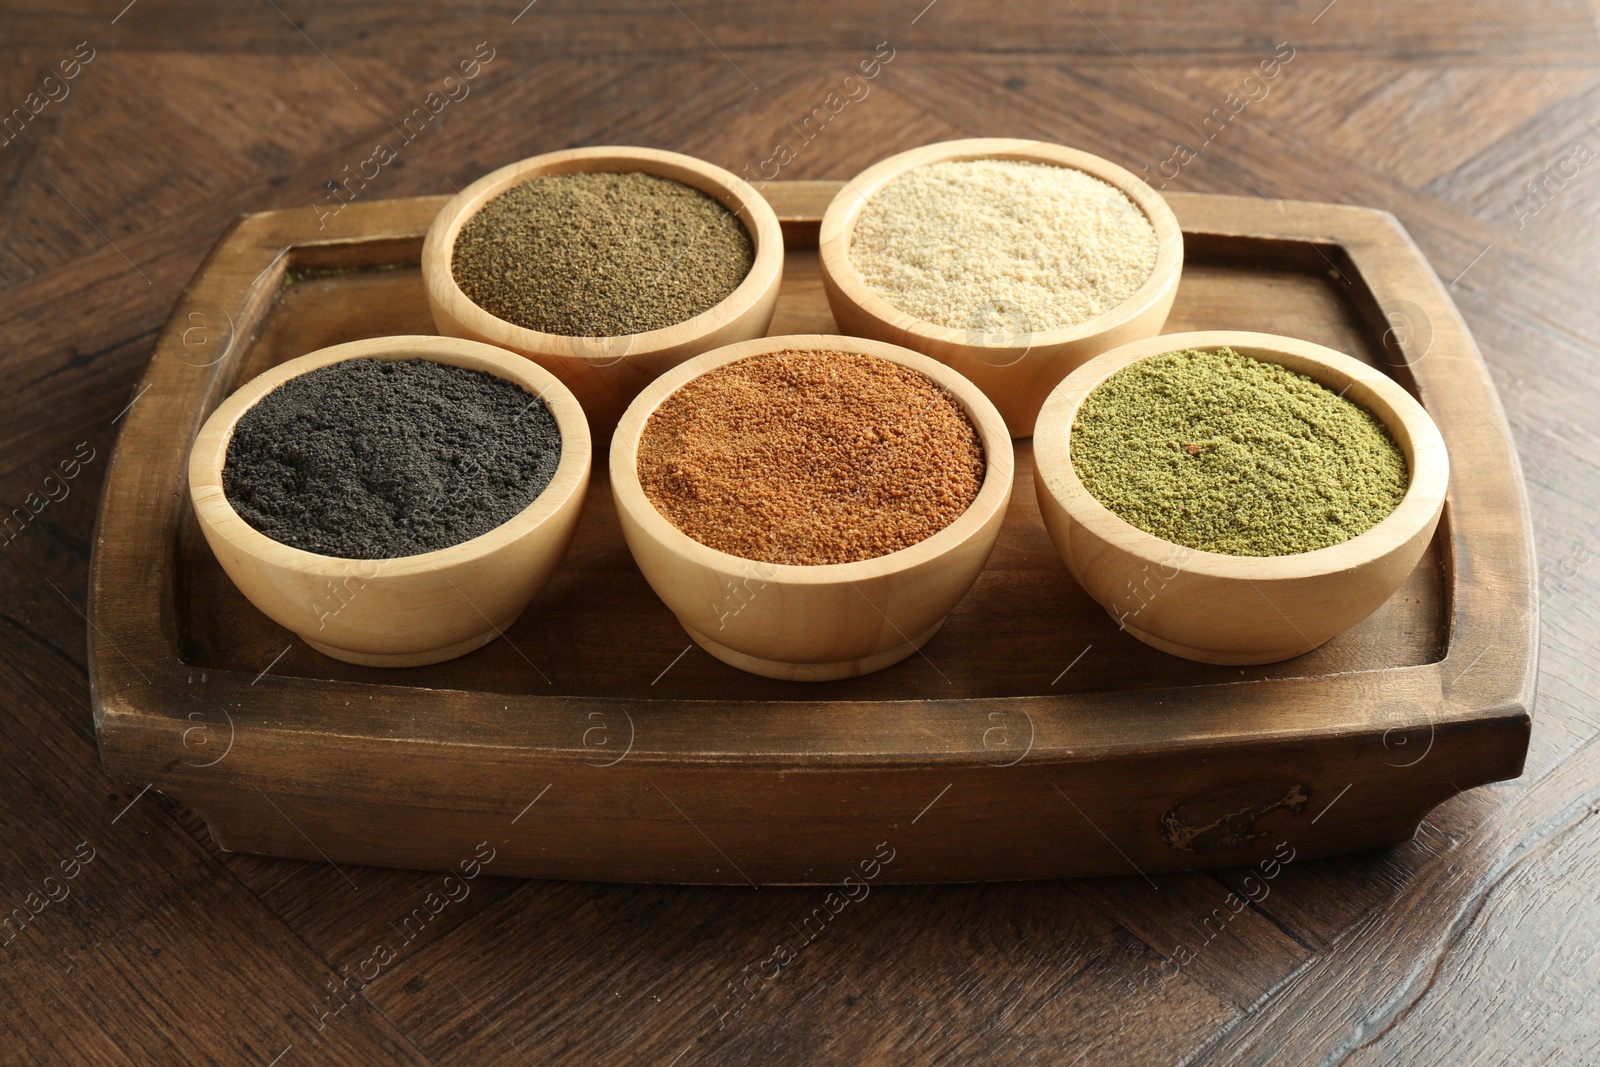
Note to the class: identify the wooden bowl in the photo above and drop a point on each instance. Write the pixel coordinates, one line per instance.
(409, 610)
(1015, 370)
(605, 373)
(812, 623)
(1218, 608)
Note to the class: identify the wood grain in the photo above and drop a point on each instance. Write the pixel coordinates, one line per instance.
(1455, 947)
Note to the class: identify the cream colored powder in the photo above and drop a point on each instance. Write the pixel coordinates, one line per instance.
(1003, 247)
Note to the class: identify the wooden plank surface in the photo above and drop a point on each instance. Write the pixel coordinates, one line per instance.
(1469, 944)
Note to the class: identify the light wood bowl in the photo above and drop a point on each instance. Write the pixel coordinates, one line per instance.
(1218, 608)
(812, 623)
(605, 373)
(1016, 371)
(409, 610)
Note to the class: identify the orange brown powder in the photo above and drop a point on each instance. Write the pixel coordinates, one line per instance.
(808, 457)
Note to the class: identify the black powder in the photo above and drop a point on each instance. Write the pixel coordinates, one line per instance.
(373, 459)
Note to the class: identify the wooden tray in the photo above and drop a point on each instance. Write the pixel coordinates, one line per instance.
(1031, 740)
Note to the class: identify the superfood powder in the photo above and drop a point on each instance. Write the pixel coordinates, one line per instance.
(1002, 245)
(1228, 454)
(809, 457)
(601, 254)
(373, 459)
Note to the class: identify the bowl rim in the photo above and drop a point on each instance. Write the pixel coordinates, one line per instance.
(1369, 387)
(993, 495)
(839, 221)
(727, 188)
(208, 455)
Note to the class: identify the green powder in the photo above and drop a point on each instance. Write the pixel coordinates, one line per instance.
(1223, 453)
(601, 254)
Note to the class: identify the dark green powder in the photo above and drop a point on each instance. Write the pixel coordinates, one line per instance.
(601, 254)
(1223, 453)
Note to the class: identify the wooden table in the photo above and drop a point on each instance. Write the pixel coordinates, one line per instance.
(133, 939)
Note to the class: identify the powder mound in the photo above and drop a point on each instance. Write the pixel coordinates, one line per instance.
(601, 254)
(374, 459)
(1003, 247)
(808, 457)
(1223, 453)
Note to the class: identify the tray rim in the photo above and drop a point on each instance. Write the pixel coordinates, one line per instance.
(127, 656)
